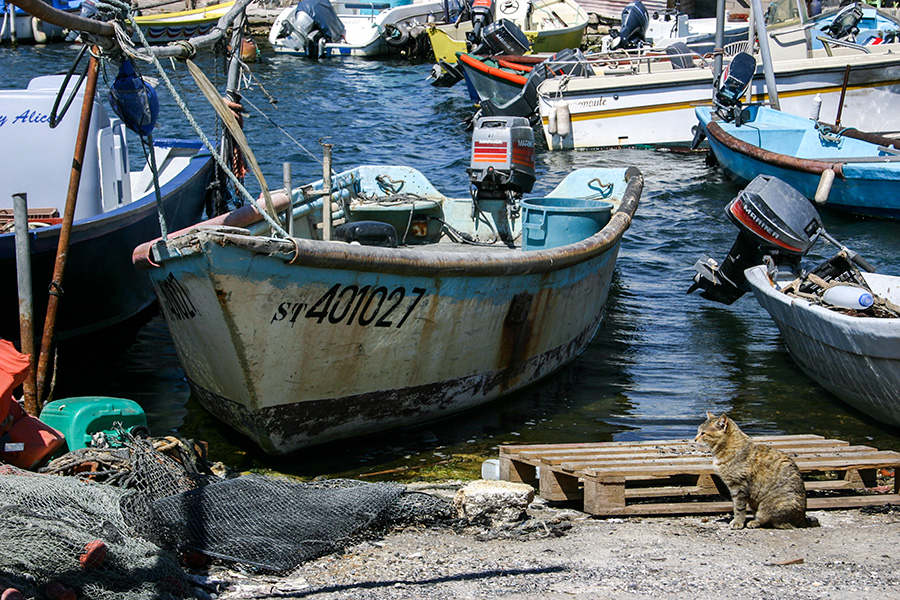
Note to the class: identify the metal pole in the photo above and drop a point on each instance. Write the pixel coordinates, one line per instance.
(62, 252)
(720, 38)
(751, 37)
(288, 189)
(840, 109)
(762, 34)
(12, 26)
(26, 299)
(326, 190)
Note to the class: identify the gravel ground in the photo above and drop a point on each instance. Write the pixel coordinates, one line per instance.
(563, 553)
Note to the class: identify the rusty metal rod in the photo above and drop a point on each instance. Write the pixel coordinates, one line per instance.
(26, 298)
(62, 252)
(837, 120)
(326, 189)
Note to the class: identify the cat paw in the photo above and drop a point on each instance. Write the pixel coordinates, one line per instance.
(737, 524)
(753, 524)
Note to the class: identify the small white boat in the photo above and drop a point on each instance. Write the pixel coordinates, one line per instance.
(314, 29)
(839, 320)
(856, 358)
(420, 306)
(19, 26)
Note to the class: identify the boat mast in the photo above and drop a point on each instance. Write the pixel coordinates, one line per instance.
(763, 35)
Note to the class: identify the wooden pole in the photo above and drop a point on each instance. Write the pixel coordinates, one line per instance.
(62, 252)
(26, 298)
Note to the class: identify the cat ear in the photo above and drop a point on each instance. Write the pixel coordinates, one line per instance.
(722, 422)
(709, 415)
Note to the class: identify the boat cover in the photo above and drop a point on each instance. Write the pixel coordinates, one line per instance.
(325, 17)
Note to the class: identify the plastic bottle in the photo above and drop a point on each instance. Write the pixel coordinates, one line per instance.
(848, 296)
(816, 108)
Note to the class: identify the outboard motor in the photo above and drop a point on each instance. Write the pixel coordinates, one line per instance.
(635, 21)
(312, 24)
(845, 25)
(732, 85)
(502, 166)
(482, 15)
(774, 220)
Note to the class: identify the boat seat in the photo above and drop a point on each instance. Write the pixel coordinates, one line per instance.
(368, 5)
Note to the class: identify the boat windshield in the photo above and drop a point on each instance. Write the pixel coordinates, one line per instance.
(781, 12)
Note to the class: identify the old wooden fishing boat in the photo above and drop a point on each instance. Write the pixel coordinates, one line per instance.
(421, 305)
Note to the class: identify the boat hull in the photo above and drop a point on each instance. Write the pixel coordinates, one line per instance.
(856, 359)
(299, 342)
(865, 188)
(168, 27)
(101, 285)
(657, 109)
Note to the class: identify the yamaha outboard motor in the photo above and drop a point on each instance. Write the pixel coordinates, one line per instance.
(502, 167)
(635, 21)
(774, 220)
(845, 25)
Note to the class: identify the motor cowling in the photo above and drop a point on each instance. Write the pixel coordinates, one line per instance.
(635, 21)
(734, 80)
(502, 162)
(482, 12)
(774, 220)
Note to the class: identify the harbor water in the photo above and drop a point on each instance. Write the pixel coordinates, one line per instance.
(661, 359)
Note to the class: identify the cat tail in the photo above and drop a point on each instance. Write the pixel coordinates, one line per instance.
(812, 521)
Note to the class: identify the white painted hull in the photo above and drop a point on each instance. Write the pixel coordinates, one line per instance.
(855, 358)
(345, 339)
(657, 109)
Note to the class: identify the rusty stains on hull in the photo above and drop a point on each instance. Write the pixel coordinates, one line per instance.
(288, 427)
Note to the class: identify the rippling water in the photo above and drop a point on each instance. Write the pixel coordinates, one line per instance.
(661, 357)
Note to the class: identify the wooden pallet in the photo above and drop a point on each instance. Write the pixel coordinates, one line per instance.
(676, 476)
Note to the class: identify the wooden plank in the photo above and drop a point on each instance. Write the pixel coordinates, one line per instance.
(724, 507)
(516, 472)
(508, 448)
(558, 486)
(606, 495)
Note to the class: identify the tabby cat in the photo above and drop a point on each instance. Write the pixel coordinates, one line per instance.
(757, 475)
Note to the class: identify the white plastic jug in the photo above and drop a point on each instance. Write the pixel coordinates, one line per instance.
(848, 296)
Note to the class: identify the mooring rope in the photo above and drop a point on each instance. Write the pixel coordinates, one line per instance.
(129, 49)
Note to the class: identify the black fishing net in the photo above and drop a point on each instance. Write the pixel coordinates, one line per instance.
(124, 541)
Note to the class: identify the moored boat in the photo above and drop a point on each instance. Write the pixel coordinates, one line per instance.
(650, 101)
(825, 163)
(426, 305)
(19, 26)
(162, 28)
(116, 208)
(839, 320)
(318, 29)
(548, 25)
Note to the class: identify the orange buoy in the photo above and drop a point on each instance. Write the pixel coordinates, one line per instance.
(94, 554)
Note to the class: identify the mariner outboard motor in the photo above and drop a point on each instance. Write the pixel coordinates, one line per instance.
(502, 167)
(845, 24)
(733, 84)
(774, 220)
(635, 21)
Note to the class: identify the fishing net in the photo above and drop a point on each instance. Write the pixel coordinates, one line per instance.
(123, 541)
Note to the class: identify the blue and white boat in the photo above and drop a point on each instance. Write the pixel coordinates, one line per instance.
(830, 165)
(418, 306)
(115, 210)
(18, 25)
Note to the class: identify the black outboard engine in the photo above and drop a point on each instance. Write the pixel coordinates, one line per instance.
(775, 221)
(845, 25)
(482, 15)
(731, 86)
(312, 24)
(635, 21)
(502, 167)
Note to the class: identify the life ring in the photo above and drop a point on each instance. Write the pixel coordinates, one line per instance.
(37, 31)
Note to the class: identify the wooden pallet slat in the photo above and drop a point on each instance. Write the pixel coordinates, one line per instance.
(624, 478)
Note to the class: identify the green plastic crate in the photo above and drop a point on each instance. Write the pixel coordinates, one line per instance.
(78, 418)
